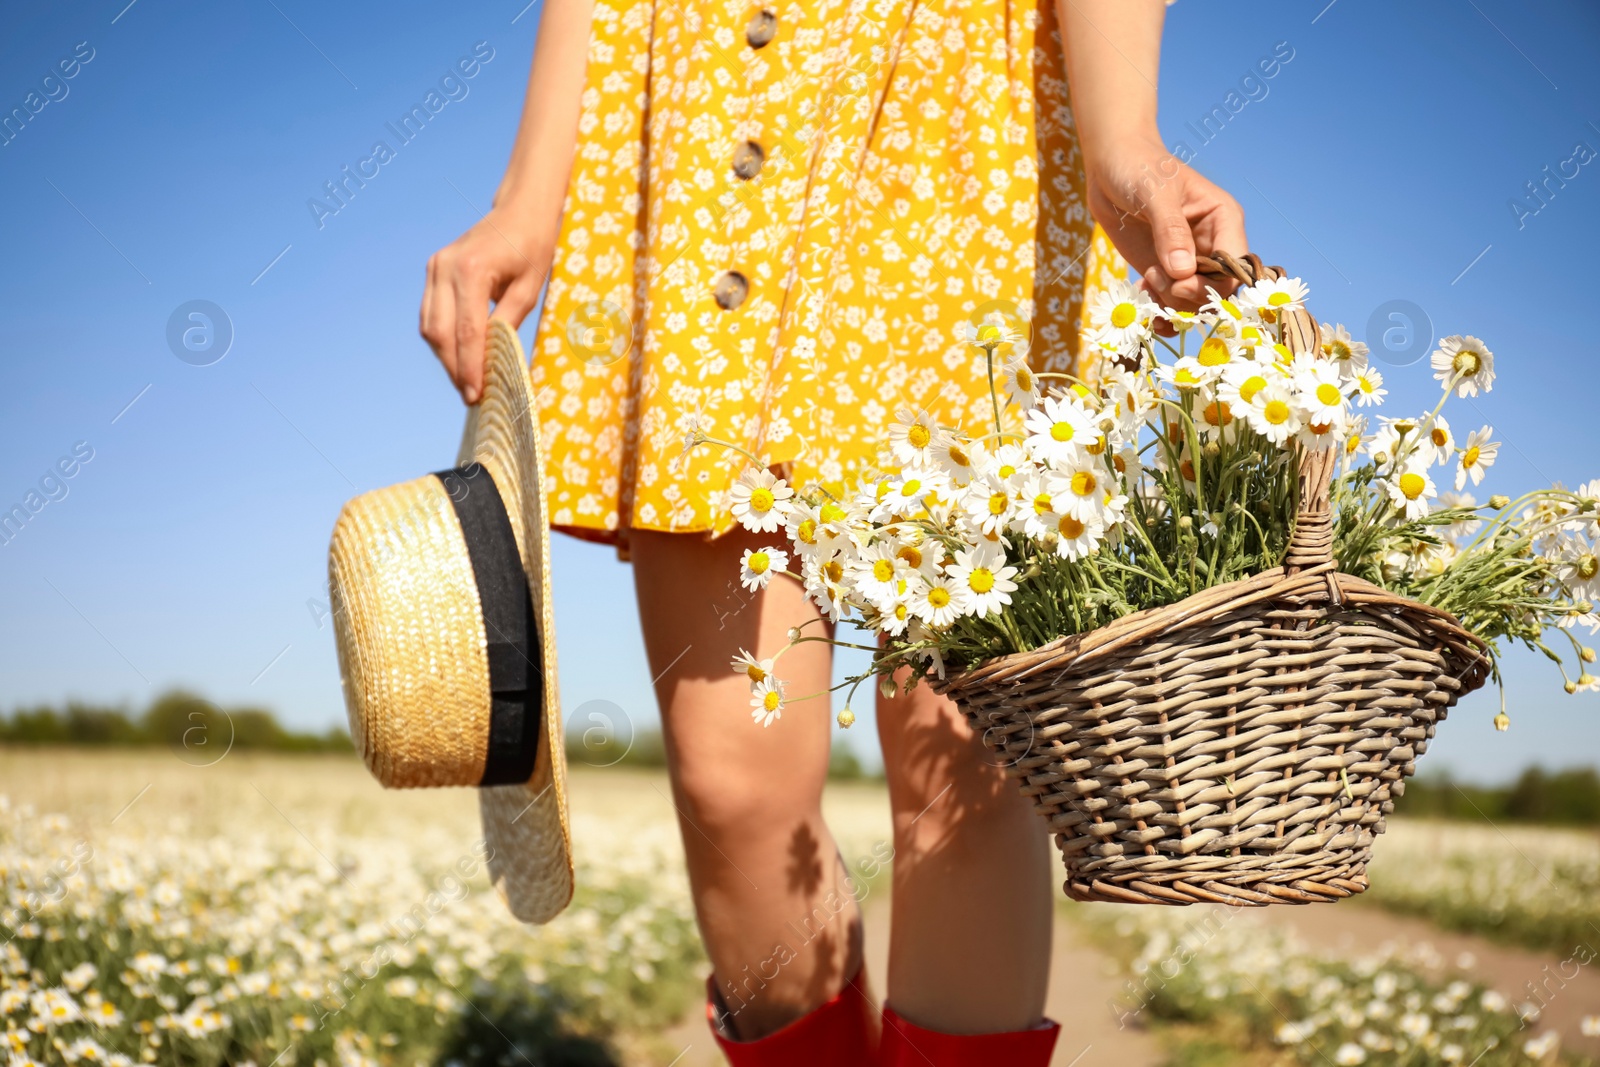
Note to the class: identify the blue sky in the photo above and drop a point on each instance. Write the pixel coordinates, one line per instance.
(1381, 162)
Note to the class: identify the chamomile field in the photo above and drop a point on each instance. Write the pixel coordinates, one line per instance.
(284, 910)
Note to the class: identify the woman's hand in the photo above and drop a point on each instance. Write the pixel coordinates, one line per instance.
(1157, 211)
(1160, 213)
(505, 258)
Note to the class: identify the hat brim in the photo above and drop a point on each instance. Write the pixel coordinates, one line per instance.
(527, 833)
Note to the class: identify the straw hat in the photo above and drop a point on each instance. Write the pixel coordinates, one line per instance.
(441, 606)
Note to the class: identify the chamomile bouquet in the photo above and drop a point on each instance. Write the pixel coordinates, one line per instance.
(1174, 470)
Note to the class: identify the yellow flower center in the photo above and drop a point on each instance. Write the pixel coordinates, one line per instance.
(1366, 384)
(1120, 463)
(900, 612)
(938, 597)
(1185, 378)
(1352, 445)
(1276, 412)
(1218, 414)
(1320, 428)
(989, 334)
(911, 555)
(1214, 353)
(1062, 431)
(1252, 385)
(1231, 308)
(1412, 484)
(1588, 566)
(910, 487)
(761, 499)
(882, 570)
(1467, 363)
(1070, 527)
(834, 570)
(1084, 483)
(1278, 299)
(981, 580)
(807, 531)
(958, 456)
(1440, 437)
(1469, 458)
(1338, 350)
(759, 562)
(882, 491)
(1328, 394)
(1123, 315)
(997, 503)
(771, 700)
(1186, 468)
(1041, 504)
(1097, 446)
(1007, 470)
(832, 512)
(755, 672)
(918, 435)
(1024, 378)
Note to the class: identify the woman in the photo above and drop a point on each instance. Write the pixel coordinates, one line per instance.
(774, 220)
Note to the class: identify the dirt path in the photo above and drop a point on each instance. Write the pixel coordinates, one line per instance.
(1081, 986)
(1568, 988)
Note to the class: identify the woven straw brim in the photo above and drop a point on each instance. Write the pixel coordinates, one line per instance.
(412, 646)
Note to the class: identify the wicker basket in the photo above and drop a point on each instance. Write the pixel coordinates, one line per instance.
(1241, 746)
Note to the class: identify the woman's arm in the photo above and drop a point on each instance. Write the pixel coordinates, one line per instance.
(1156, 210)
(506, 256)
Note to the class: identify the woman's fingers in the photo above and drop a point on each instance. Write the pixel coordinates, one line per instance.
(472, 320)
(438, 319)
(519, 298)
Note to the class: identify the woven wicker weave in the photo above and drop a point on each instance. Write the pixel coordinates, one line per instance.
(1241, 746)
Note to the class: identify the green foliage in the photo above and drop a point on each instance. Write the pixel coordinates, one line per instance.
(175, 718)
(1570, 797)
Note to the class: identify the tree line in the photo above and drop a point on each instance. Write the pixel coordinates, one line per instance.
(174, 718)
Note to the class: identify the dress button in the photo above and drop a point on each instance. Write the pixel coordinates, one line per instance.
(730, 290)
(747, 160)
(763, 27)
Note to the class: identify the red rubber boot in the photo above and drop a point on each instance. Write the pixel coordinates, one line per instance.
(908, 1045)
(840, 1033)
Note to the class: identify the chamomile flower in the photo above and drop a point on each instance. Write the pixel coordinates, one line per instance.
(992, 332)
(912, 437)
(1348, 354)
(1272, 413)
(767, 700)
(757, 566)
(903, 495)
(754, 669)
(1184, 321)
(1035, 510)
(880, 571)
(981, 580)
(1410, 489)
(990, 503)
(1187, 373)
(1227, 313)
(958, 458)
(1120, 316)
(1321, 397)
(1577, 563)
(1020, 384)
(1058, 429)
(756, 498)
(1465, 364)
(1436, 436)
(1085, 493)
(1369, 388)
(934, 602)
(1275, 295)
(1076, 539)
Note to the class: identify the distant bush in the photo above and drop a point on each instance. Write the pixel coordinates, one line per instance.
(173, 718)
(1569, 797)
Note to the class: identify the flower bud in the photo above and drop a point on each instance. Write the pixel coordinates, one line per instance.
(886, 687)
(1571, 687)
(1502, 722)
(1587, 655)
(1185, 522)
(847, 718)
(1499, 502)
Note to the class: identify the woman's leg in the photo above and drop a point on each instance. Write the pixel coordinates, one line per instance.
(969, 952)
(778, 919)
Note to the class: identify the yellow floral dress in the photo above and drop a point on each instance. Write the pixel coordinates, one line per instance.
(779, 220)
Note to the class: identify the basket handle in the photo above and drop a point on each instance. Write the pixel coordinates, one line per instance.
(1311, 544)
